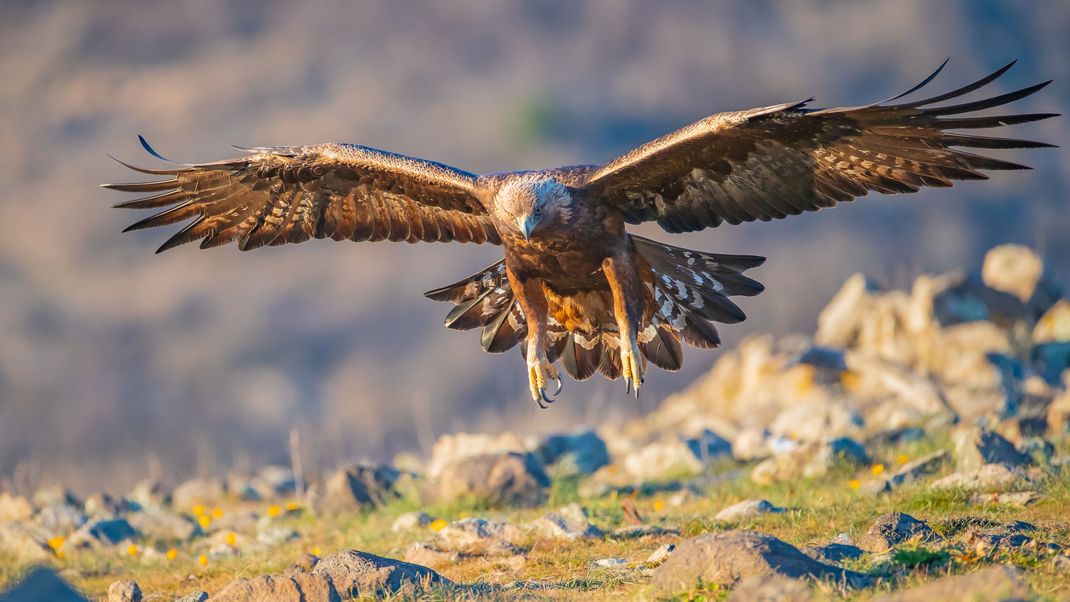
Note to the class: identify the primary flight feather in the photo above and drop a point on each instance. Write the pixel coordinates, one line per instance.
(574, 285)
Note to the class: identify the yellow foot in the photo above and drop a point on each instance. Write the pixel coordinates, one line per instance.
(539, 372)
(631, 364)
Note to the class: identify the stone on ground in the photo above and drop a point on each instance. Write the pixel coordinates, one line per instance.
(573, 454)
(988, 478)
(910, 472)
(892, 529)
(297, 588)
(747, 509)
(359, 573)
(771, 589)
(14, 507)
(124, 591)
(41, 583)
(353, 489)
(977, 446)
(410, 521)
(833, 552)
(509, 479)
(198, 491)
(567, 523)
(727, 557)
(991, 584)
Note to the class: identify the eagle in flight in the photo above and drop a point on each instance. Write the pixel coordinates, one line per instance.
(574, 286)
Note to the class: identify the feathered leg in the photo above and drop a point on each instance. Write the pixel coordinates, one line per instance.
(627, 297)
(529, 294)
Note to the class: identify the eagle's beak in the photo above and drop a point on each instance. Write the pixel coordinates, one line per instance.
(526, 224)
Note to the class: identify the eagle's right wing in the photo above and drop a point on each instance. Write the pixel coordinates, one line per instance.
(280, 195)
(782, 160)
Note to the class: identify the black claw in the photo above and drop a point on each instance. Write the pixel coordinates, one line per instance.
(542, 406)
(545, 398)
(560, 385)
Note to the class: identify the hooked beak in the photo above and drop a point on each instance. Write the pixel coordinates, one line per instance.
(526, 224)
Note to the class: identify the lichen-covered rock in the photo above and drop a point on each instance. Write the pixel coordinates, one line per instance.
(730, 556)
(573, 454)
(359, 573)
(304, 564)
(454, 447)
(747, 509)
(910, 472)
(977, 446)
(510, 479)
(124, 591)
(988, 478)
(811, 459)
(568, 523)
(353, 489)
(892, 529)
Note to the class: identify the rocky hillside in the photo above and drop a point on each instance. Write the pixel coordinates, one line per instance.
(914, 448)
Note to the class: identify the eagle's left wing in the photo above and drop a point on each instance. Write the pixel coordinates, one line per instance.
(782, 160)
(278, 195)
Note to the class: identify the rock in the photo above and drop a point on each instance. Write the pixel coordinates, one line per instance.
(479, 537)
(1054, 325)
(193, 597)
(24, 542)
(1059, 411)
(1010, 536)
(410, 521)
(273, 481)
(810, 460)
(163, 525)
(990, 584)
(816, 422)
(892, 529)
(770, 589)
(150, 494)
(977, 446)
(102, 532)
(124, 591)
(910, 472)
(1019, 498)
(1018, 270)
(1050, 360)
(751, 443)
(746, 509)
(60, 518)
(727, 557)
(354, 572)
(509, 479)
(41, 583)
(449, 449)
(427, 555)
(575, 454)
(568, 523)
(833, 552)
(611, 563)
(198, 491)
(990, 477)
(14, 507)
(637, 531)
(104, 504)
(671, 458)
(273, 536)
(660, 555)
(304, 564)
(55, 495)
(353, 489)
(297, 588)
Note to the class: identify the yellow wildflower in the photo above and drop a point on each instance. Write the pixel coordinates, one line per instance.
(659, 505)
(855, 484)
(198, 509)
(231, 538)
(132, 549)
(876, 469)
(273, 511)
(438, 524)
(292, 506)
(217, 512)
(317, 551)
(204, 521)
(902, 459)
(202, 560)
(56, 542)
(171, 554)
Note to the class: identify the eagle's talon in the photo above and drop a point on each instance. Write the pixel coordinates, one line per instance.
(539, 372)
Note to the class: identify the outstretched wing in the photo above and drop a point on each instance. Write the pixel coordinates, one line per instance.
(782, 160)
(281, 195)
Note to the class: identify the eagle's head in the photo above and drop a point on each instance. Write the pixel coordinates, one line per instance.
(531, 205)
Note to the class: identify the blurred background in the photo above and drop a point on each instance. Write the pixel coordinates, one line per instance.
(115, 363)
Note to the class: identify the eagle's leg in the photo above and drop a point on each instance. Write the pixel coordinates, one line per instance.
(627, 297)
(529, 293)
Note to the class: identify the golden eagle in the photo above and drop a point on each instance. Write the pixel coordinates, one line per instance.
(573, 282)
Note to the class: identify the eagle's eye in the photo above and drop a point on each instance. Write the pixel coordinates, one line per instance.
(538, 209)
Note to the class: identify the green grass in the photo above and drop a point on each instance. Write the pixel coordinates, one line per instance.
(817, 510)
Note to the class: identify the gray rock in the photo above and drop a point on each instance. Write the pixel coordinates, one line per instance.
(989, 478)
(353, 489)
(1010, 536)
(892, 529)
(163, 525)
(810, 460)
(507, 479)
(354, 572)
(411, 521)
(193, 597)
(747, 509)
(296, 588)
(198, 491)
(106, 504)
(771, 589)
(727, 557)
(55, 495)
(102, 532)
(60, 518)
(24, 542)
(150, 494)
(833, 552)
(977, 446)
(573, 454)
(273, 536)
(1018, 498)
(428, 555)
(910, 472)
(124, 591)
(567, 523)
(274, 481)
(304, 564)
(751, 444)
(14, 507)
(479, 537)
(611, 563)
(42, 583)
(990, 584)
